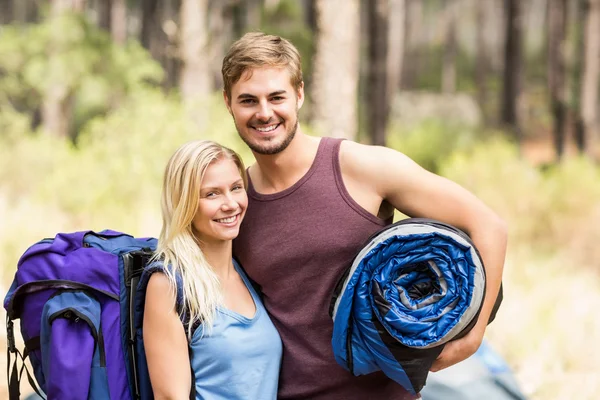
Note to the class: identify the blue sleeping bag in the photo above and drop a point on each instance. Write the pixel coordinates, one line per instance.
(414, 286)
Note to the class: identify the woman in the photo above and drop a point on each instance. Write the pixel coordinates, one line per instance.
(234, 350)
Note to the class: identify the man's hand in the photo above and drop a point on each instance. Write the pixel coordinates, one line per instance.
(458, 350)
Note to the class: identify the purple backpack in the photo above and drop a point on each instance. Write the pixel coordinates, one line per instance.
(76, 298)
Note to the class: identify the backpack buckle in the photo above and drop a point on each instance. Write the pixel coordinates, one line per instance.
(10, 337)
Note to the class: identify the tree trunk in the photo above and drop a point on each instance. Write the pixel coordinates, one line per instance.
(449, 63)
(591, 70)
(310, 14)
(118, 21)
(533, 15)
(33, 8)
(57, 110)
(396, 46)
(377, 85)
(252, 14)
(26, 11)
(220, 36)
(579, 14)
(6, 12)
(57, 102)
(103, 8)
(167, 43)
(512, 67)
(413, 50)
(195, 73)
(481, 67)
(336, 68)
(557, 24)
(149, 22)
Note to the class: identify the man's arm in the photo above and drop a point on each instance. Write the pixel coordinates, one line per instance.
(414, 191)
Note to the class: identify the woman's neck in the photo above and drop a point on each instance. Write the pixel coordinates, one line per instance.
(219, 256)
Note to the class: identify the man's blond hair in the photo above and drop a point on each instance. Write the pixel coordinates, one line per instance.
(255, 50)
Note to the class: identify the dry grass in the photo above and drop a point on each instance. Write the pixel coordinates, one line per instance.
(547, 327)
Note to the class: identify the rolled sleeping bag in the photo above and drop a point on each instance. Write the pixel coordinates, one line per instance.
(415, 286)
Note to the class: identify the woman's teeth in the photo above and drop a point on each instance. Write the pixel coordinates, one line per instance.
(227, 220)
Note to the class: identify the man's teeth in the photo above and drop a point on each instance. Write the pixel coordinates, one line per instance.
(267, 128)
(226, 220)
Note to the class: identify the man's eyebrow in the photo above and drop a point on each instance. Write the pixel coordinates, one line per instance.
(277, 93)
(251, 96)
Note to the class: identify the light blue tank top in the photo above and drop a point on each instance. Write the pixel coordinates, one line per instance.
(240, 357)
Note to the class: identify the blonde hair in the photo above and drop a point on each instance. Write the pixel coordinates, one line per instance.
(257, 49)
(178, 247)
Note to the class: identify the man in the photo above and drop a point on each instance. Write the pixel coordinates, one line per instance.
(313, 202)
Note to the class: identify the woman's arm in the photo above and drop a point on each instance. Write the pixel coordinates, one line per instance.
(165, 342)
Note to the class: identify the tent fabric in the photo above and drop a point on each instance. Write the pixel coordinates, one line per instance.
(415, 285)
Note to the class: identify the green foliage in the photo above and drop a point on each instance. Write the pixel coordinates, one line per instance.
(549, 209)
(12, 124)
(26, 163)
(430, 142)
(118, 162)
(112, 178)
(494, 171)
(70, 53)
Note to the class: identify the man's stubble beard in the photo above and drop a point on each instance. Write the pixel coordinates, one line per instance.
(258, 149)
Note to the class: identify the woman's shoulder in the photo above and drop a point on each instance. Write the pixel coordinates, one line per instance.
(159, 285)
(160, 276)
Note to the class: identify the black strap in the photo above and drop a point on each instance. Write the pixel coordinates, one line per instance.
(30, 379)
(32, 344)
(14, 376)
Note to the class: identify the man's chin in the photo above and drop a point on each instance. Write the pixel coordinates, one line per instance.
(268, 146)
(266, 150)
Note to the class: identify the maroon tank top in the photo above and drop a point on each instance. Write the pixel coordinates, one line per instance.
(296, 244)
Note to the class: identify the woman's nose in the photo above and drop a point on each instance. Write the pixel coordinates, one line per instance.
(229, 203)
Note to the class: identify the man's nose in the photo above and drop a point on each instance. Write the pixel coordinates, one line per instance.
(264, 112)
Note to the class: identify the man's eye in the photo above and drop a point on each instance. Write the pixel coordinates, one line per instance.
(247, 101)
(278, 98)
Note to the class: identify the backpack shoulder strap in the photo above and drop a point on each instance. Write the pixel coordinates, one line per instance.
(14, 377)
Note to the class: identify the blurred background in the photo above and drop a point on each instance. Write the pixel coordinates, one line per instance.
(498, 95)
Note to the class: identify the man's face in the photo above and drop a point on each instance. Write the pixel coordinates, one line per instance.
(264, 106)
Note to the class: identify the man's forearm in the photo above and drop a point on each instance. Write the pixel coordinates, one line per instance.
(491, 241)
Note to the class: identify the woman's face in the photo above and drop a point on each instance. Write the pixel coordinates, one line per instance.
(223, 203)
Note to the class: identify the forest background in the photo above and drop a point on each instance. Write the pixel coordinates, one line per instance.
(498, 95)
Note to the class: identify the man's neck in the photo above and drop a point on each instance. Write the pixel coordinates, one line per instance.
(277, 172)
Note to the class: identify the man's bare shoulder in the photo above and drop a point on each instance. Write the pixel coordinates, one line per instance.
(358, 158)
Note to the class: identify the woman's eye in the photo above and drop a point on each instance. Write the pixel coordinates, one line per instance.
(238, 187)
(211, 194)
